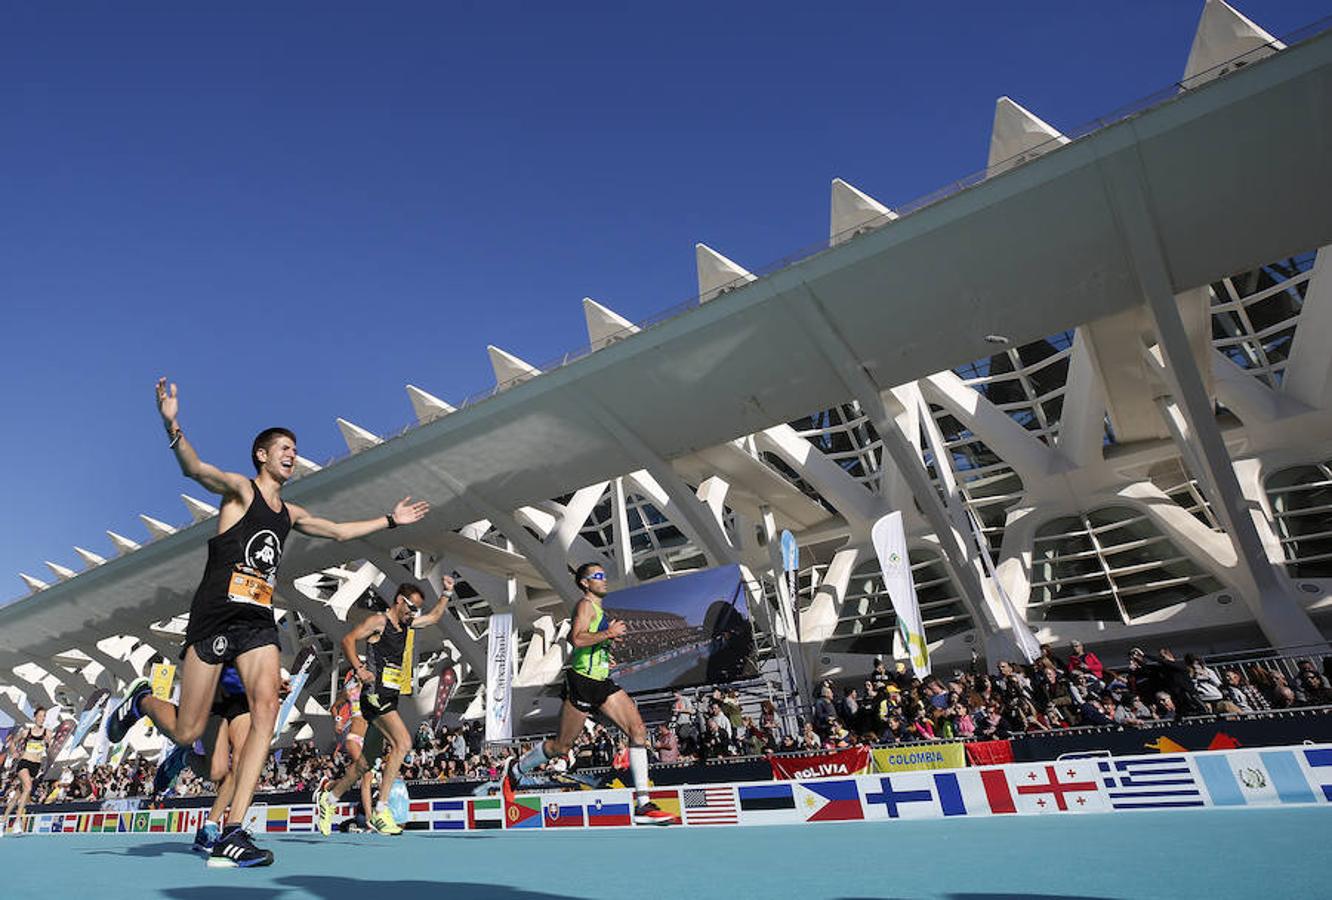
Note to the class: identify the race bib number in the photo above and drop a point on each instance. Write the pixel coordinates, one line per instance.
(392, 677)
(250, 589)
(34, 748)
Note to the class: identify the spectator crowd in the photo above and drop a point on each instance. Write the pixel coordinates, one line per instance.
(888, 707)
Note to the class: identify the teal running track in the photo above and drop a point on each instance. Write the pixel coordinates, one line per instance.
(1213, 854)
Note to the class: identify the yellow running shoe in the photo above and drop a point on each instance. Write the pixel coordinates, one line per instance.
(383, 822)
(327, 808)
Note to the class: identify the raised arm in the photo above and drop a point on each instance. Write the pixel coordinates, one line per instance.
(371, 626)
(227, 484)
(430, 618)
(405, 513)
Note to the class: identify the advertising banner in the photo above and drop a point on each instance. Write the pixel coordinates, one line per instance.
(918, 759)
(500, 670)
(448, 683)
(851, 761)
(891, 549)
(163, 675)
(304, 668)
(91, 710)
(685, 631)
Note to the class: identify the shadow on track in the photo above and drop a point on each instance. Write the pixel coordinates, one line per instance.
(162, 848)
(333, 887)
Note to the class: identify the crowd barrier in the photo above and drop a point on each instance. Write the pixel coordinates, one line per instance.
(1280, 776)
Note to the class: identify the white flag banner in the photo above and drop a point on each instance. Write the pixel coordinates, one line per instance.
(890, 547)
(102, 745)
(500, 670)
(1027, 645)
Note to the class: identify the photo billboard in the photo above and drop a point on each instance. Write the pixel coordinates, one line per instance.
(690, 630)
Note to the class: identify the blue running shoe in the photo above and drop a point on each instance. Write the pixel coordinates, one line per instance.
(206, 837)
(235, 850)
(171, 767)
(127, 712)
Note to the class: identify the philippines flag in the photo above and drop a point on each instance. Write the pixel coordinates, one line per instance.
(1319, 761)
(563, 815)
(914, 795)
(829, 801)
(1150, 782)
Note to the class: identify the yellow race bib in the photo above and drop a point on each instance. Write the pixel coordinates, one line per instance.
(245, 588)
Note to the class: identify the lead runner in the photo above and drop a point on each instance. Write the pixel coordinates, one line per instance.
(589, 687)
(231, 616)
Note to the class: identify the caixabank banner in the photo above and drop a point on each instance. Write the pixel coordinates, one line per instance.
(1277, 776)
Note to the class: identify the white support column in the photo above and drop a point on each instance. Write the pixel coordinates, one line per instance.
(818, 621)
(1308, 376)
(624, 551)
(669, 492)
(1082, 420)
(888, 414)
(1030, 458)
(1272, 601)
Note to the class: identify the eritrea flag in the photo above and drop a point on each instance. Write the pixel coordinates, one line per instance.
(523, 812)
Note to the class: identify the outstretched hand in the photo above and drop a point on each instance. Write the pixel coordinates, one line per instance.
(167, 404)
(407, 512)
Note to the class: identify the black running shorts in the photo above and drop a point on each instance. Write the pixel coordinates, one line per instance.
(231, 706)
(234, 639)
(587, 694)
(29, 766)
(374, 705)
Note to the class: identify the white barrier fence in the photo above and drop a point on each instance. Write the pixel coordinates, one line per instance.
(1275, 776)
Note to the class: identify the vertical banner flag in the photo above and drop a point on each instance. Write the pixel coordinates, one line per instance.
(500, 670)
(890, 547)
(1027, 645)
(91, 709)
(303, 666)
(444, 688)
(791, 570)
(62, 733)
(163, 675)
(102, 744)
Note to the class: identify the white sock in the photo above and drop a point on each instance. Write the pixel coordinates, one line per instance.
(532, 759)
(638, 768)
(381, 806)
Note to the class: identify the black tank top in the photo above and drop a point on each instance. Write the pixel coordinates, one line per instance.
(241, 572)
(385, 657)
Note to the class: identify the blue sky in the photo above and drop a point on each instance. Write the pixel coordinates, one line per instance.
(295, 209)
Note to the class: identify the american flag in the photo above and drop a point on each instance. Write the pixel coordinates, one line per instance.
(710, 806)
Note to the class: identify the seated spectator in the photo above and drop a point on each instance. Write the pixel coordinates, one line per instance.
(1083, 660)
(1122, 716)
(1312, 685)
(667, 745)
(1094, 712)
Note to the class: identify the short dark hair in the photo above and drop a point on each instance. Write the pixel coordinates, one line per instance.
(38, 709)
(582, 571)
(265, 439)
(408, 588)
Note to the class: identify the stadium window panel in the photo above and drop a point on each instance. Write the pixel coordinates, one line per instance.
(1255, 315)
(1106, 564)
(867, 623)
(1301, 499)
(846, 435)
